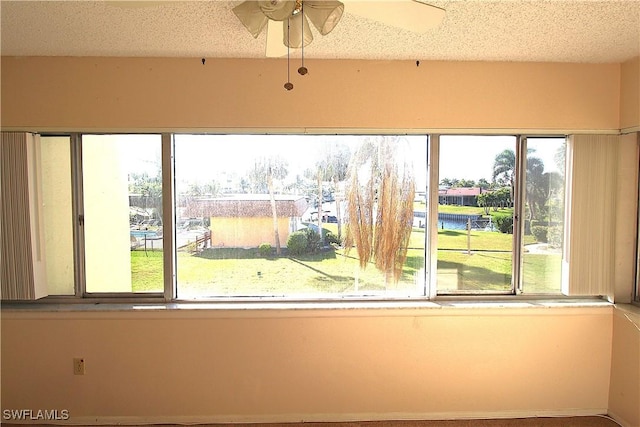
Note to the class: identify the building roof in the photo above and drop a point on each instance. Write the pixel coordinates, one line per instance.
(461, 191)
(246, 206)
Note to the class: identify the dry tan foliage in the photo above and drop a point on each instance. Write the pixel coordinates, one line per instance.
(380, 193)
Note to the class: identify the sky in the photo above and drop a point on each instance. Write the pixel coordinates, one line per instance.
(472, 157)
(201, 158)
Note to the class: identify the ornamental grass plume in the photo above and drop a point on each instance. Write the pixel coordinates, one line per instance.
(380, 193)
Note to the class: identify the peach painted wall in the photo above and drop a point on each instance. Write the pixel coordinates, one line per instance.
(118, 94)
(626, 217)
(308, 364)
(292, 365)
(624, 396)
(630, 94)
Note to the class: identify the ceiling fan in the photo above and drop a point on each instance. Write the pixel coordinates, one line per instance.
(287, 21)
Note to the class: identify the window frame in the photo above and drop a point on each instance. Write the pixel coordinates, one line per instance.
(517, 287)
(169, 293)
(635, 298)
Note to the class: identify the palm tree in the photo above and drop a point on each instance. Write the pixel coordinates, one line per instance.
(263, 174)
(537, 186)
(380, 193)
(504, 172)
(504, 167)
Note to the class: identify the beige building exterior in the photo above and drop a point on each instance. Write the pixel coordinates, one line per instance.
(246, 220)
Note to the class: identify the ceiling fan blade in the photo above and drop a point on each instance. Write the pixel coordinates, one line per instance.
(324, 14)
(275, 47)
(251, 16)
(410, 15)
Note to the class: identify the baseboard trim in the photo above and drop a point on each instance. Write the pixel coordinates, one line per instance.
(620, 420)
(307, 418)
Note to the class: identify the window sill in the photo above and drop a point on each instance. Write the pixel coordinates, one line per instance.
(467, 306)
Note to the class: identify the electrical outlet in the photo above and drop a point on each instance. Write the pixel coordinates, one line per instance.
(78, 366)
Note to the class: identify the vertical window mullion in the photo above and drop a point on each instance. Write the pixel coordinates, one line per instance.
(78, 215)
(518, 211)
(168, 217)
(636, 291)
(431, 256)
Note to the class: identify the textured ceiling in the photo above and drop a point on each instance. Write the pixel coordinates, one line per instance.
(510, 30)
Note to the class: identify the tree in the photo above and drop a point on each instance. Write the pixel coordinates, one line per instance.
(484, 184)
(484, 201)
(380, 193)
(560, 156)
(333, 167)
(149, 190)
(265, 170)
(537, 188)
(448, 182)
(211, 189)
(504, 173)
(466, 183)
(501, 198)
(504, 167)
(244, 185)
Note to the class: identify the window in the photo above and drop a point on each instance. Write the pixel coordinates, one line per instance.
(249, 209)
(543, 210)
(187, 216)
(57, 194)
(122, 213)
(500, 230)
(475, 214)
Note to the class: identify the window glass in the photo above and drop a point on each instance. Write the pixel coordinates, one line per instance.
(249, 209)
(475, 214)
(55, 156)
(543, 215)
(122, 184)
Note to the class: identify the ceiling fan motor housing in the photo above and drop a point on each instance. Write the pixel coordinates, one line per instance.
(278, 10)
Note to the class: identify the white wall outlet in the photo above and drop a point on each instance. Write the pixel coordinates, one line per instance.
(78, 366)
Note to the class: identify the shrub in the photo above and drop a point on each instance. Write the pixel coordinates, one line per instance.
(555, 236)
(264, 249)
(297, 243)
(305, 241)
(540, 233)
(332, 239)
(313, 240)
(504, 223)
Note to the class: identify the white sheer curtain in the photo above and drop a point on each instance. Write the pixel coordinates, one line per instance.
(590, 217)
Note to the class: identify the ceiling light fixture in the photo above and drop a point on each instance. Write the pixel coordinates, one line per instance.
(323, 14)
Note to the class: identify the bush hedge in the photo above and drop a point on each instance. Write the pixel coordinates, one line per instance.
(264, 249)
(540, 233)
(305, 241)
(504, 223)
(297, 243)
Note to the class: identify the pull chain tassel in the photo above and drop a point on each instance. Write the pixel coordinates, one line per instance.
(302, 70)
(288, 85)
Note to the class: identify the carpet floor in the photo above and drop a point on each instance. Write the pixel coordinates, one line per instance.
(586, 421)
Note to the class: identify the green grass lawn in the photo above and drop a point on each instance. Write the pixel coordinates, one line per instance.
(146, 271)
(243, 272)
